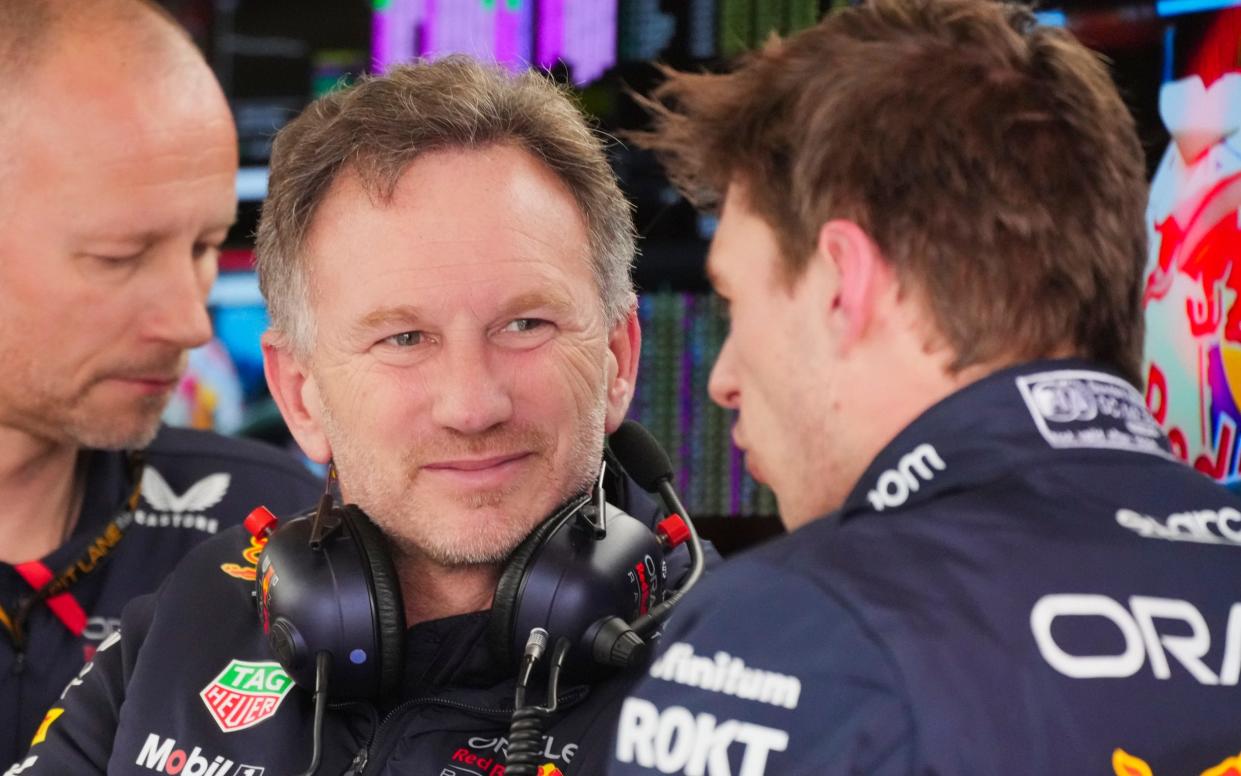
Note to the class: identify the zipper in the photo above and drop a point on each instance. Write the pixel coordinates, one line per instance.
(19, 669)
(566, 699)
(358, 764)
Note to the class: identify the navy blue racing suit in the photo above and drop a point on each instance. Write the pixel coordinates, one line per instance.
(188, 686)
(193, 485)
(1024, 581)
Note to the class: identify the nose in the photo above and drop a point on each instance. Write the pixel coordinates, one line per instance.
(722, 385)
(470, 395)
(178, 304)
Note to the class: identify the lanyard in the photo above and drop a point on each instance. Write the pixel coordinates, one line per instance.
(54, 589)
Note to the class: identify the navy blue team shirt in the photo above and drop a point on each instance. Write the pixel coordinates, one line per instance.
(193, 485)
(1024, 581)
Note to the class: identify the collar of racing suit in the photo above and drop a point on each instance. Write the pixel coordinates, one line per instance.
(450, 652)
(1015, 416)
(448, 662)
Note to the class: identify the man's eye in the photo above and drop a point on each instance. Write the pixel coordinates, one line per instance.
(525, 324)
(117, 260)
(405, 339)
(202, 249)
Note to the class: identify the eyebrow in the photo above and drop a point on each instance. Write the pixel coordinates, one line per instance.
(149, 237)
(222, 225)
(556, 302)
(405, 314)
(385, 316)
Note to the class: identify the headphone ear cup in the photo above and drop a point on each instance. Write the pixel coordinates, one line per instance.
(386, 588)
(504, 606)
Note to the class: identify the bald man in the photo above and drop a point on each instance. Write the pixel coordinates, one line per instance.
(118, 161)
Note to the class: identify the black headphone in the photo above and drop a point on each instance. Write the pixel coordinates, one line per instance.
(330, 601)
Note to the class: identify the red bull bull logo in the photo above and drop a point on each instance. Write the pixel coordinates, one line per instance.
(1125, 764)
(249, 570)
(1192, 291)
(547, 769)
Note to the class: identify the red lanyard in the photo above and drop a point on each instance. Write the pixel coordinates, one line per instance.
(54, 589)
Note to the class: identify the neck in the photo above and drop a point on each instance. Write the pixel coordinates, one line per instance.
(432, 591)
(903, 381)
(41, 493)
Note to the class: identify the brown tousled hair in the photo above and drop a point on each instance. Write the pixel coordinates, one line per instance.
(991, 160)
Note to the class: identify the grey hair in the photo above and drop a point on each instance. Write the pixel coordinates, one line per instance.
(378, 127)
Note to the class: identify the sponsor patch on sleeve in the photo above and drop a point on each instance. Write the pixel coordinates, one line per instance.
(677, 740)
(726, 674)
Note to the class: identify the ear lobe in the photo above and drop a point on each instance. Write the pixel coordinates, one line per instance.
(861, 272)
(624, 348)
(297, 395)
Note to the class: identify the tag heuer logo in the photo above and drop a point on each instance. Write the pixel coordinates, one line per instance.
(245, 693)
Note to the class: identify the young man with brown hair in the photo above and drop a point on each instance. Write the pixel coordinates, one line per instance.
(931, 242)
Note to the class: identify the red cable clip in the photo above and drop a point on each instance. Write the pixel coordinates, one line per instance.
(672, 531)
(261, 522)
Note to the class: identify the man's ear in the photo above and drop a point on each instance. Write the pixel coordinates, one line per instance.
(863, 276)
(297, 395)
(624, 348)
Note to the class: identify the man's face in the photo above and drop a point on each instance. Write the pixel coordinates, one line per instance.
(773, 368)
(117, 193)
(463, 375)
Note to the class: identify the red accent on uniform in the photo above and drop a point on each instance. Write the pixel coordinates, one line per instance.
(64, 606)
(644, 602)
(672, 530)
(260, 522)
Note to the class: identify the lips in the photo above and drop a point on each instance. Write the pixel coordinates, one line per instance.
(751, 464)
(490, 473)
(475, 464)
(150, 384)
(151, 379)
(738, 437)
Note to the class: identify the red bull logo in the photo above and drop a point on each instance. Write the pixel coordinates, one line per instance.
(547, 769)
(249, 570)
(1125, 764)
(1192, 291)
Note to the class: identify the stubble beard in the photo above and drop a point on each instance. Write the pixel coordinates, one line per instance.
(41, 408)
(390, 498)
(142, 427)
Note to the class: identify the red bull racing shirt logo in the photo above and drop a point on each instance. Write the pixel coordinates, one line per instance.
(249, 570)
(1125, 764)
(483, 756)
